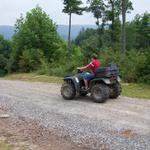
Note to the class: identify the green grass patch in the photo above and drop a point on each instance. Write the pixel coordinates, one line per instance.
(136, 90)
(32, 77)
(5, 146)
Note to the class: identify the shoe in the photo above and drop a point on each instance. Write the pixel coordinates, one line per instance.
(85, 89)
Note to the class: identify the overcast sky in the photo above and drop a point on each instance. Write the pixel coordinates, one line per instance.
(10, 10)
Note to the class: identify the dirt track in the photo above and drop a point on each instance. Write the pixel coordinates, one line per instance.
(123, 123)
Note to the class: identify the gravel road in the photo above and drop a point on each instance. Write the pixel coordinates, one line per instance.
(121, 124)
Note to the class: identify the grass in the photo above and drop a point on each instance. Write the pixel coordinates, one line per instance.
(136, 90)
(32, 77)
(128, 89)
(5, 146)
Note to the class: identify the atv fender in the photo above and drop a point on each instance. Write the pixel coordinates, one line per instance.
(75, 81)
(99, 80)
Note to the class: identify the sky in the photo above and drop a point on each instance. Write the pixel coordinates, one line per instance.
(10, 10)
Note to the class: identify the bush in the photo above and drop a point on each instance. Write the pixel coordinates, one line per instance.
(3, 63)
(143, 71)
(132, 60)
(107, 55)
(31, 60)
(59, 71)
(128, 63)
(2, 72)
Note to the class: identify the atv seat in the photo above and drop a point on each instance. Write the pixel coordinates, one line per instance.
(109, 71)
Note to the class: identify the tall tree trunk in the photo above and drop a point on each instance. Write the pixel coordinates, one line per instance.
(112, 24)
(69, 41)
(123, 43)
(99, 33)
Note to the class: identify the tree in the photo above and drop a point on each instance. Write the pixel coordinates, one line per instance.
(109, 11)
(143, 30)
(84, 35)
(31, 60)
(123, 26)
(36, 31)
(113, 12)
(143, 71)
(126, 6)
(97, 7)
(72, 7)
(5, 49)
(138, 32)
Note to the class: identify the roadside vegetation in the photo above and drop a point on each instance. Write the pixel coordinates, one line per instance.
(33, 77)
(37, 47)
(136, 90)
(4, 145)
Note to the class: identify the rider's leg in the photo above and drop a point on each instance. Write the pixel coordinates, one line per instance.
(86, 83)
(87, 78)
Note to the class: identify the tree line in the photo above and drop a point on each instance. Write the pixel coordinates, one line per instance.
(37, 47)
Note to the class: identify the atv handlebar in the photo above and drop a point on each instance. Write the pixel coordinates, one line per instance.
(79, 70)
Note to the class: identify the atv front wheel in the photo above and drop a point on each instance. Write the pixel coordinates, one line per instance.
(100, 93)
(68, 91)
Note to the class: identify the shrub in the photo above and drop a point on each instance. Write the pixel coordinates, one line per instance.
(3, 62)
(30, 60)
(52, 69)
(143, 71)
(128, 63)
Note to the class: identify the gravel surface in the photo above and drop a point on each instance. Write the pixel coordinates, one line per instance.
(25, 134)
(119, 124)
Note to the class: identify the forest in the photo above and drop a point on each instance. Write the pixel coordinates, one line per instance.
(37, 47)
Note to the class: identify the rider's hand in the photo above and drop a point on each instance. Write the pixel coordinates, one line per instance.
(78, 68)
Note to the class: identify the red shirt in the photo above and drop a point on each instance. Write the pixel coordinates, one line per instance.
(94, 65)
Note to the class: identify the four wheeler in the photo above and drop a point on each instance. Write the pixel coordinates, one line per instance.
(106, 84)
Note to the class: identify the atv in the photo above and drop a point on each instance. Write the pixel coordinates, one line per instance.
(106, 84)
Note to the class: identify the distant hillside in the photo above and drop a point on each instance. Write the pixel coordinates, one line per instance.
(75, 29)
(8, 31)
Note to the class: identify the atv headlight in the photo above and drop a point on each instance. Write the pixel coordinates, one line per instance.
(118, 79)
(77, 80)
(107, 81)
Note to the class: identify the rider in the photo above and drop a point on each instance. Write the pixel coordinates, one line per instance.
(93, 66)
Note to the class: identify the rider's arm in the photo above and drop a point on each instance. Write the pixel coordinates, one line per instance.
(89, 66)
(82, 68)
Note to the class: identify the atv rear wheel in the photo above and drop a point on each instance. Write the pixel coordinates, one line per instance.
(115, 90)
(68, 91)
(100, 93)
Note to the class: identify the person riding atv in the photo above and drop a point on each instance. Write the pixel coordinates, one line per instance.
(93, 66)
(104, 83)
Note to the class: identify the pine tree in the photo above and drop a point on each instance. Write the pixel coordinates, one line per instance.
(72, 7)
